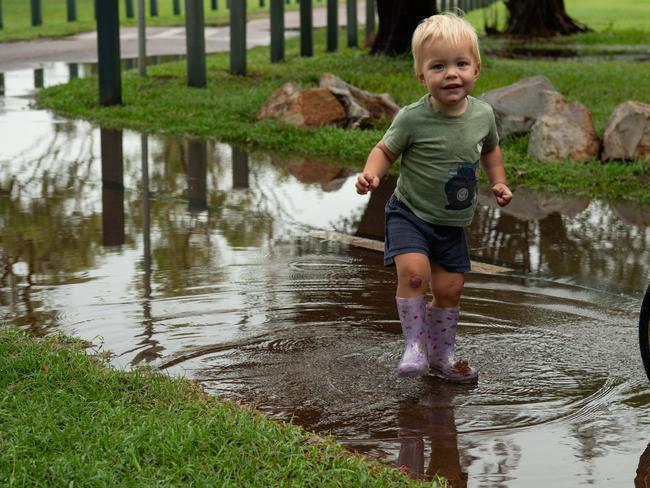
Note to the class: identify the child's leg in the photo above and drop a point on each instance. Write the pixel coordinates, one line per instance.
(442, 320)
(413, 276)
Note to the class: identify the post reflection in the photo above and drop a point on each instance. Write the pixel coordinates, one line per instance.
(431, 418)
(197, 174)
(148, 348)
(240, 171)
(112, 187)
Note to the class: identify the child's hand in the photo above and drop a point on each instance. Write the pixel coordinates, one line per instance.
(502, 193)
(366, 182)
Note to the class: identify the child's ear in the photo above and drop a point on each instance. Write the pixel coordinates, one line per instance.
(477, 71)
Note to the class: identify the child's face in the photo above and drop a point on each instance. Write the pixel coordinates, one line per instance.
(449, 73)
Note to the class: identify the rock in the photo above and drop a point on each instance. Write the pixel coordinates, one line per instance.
(627, 132)
(335, 102)
(378, 105)
(357, 116)
(309, 171)
(518, 106)
(279, 101)
(565, 134)
(315, 107)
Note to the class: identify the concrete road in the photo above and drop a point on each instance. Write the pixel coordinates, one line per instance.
(82, 48)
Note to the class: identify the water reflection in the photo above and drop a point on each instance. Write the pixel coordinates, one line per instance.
(196, 257)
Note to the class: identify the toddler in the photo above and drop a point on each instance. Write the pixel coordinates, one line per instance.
(442, 138)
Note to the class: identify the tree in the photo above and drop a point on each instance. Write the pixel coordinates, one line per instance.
(397, 21)
(540, 18)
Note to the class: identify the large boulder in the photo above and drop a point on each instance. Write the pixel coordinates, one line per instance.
(627, 132)
(315, 107)
(280, 101)
(334, 102)
(518, 106)
(566, 134)
(378, 105)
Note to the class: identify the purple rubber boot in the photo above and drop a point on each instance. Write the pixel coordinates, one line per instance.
(441, 346)
(411, 315)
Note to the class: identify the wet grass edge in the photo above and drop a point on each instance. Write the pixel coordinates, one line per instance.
(66, 417)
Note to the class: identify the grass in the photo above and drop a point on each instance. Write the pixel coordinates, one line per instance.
(226, 109)
(16, 16)
(68, 420)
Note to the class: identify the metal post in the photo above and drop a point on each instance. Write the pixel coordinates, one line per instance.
(73, 71)
(306, 29)
(71, 10)
(195, 37)
(238, 37)
(177, 7)
(142, 40)
(153, 6)
(352, 23)
(37, 17)
(1, 23)
(332, 25)
(108, 52)
(2, 84)
(261, 3)
(370, 20)
(39, 78)
(277, 31)
(129, 9)
(214, 4)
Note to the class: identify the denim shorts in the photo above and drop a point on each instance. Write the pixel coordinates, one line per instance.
(405, 232)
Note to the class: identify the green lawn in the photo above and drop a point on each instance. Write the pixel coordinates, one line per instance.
(68, 420)
(16, 16)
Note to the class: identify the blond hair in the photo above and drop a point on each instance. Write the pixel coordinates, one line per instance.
(447, 26)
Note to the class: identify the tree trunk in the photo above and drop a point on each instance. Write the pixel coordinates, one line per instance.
(397, 21)
(540, 18)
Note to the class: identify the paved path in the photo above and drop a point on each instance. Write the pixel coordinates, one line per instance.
(82, 48)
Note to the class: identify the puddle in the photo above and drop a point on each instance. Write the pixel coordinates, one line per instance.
(196, 257)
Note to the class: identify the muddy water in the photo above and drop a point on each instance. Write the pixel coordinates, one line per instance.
(198, 258)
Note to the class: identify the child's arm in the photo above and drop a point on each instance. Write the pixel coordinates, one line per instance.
(492, 162)
(379, 160)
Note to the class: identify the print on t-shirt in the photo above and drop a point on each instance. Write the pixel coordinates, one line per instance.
(461, 187)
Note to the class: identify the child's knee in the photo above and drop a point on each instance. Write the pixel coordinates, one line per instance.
(415, 281)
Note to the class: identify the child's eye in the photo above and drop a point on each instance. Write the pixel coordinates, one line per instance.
(463, 64)
(438, 67)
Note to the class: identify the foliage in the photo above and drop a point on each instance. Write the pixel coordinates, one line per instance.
(67, 419)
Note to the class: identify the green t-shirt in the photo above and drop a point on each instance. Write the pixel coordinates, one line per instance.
(440, 158)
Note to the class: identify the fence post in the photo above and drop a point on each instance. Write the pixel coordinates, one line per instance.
(238, 37)
(177, 7)
(71, 10)
(1, 24)
(214, 4)
(142, 39)
(108, 53)
(37, 17)
(306, 29)
(370, 20)
(128, 4)
(195, 38)
(332, 25)
(277, 30)
(352, 23)
(154, 8)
